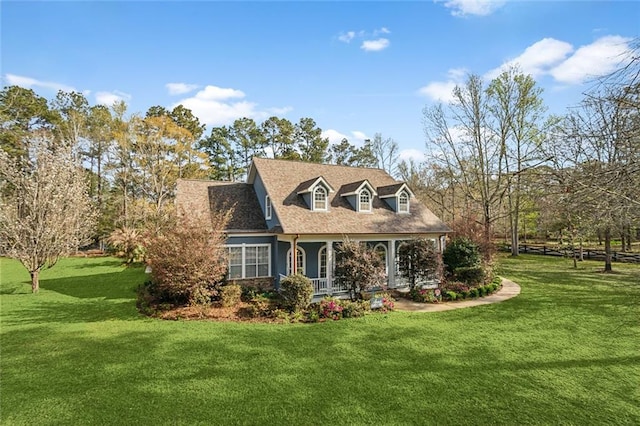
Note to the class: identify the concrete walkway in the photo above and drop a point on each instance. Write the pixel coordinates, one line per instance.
(509, 289)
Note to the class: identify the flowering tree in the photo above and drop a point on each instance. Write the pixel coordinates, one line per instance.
(358, 268)
(45, 211)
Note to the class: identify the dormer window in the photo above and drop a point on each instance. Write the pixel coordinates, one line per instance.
(403, 202)
(397, 196)
(267, 207)
(365, 201)
(319, 198)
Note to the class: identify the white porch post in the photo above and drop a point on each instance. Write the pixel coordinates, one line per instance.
(329, 267)
(391, 267)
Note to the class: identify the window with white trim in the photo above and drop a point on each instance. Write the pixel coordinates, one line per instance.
(365, 201)
(267, 207)
(322, 262)
(301, 260)
(381, 250)
(249, 261)
(320, 198)
(403, 202)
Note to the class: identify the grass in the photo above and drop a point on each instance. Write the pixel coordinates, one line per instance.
(565, 351)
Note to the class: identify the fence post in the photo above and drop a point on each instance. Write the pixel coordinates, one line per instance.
(544, 249)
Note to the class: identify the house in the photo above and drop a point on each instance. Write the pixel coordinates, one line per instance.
(290, 217)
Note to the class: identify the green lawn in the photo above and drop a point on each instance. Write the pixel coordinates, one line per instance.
(565, 351)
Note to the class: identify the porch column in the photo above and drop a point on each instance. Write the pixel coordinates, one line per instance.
(392, 263)
(329, 267)
(294, 256)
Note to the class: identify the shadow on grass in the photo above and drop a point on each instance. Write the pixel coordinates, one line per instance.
(113, 285)
(107, 262)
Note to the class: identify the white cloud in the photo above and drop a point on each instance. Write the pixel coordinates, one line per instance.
(375, 45)
(442, 91)
(335, 137)
(567, 65)
(28, 82)
(599, 58)
(411, 154)
(180, 88)
(109, 98)
(472, 7)
(347, 37)
(383, 30)
(218, 106)
(536, 59)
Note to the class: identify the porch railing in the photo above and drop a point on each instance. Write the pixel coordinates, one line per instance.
(322, 286)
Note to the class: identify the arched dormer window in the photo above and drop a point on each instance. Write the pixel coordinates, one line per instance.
(319, 198)
(403, 202)
(365, 201)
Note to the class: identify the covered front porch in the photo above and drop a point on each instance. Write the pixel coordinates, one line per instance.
(315, 258)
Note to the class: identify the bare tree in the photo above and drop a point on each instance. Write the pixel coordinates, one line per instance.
(45, 211)
(461, 140)
(386, 152)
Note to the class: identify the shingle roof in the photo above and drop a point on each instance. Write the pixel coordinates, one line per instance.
(282, 179)
(389, 190)
(195, 196)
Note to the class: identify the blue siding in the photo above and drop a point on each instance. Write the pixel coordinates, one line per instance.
(392, 202)
(261, 192)
(352, 199)
(262, 239)
(307, 199)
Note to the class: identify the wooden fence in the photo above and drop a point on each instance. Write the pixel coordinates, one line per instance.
(589, 254)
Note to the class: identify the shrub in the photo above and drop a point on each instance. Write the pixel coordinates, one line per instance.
(473, 293)
(296, 291)
(127, 243)
(419, 259)
(330, 308)
(248, 293)
(358, 268)
(455, 286)
(464, 294)
(471, 275)
(261, 306)
(423, 295)
(459, 253)
(188, 259)
(230, 295)
(450, 295)
(354, 309)
(481, 291)
(387, 302)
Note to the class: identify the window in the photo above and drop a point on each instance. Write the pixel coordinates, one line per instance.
(300, 261)
(365, 201)
(249, 261)
(235, 262)
(320, 198)
(403, 202)
(322, 262)
(381, 250)
(267, 207)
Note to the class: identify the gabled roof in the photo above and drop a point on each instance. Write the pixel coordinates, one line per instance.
(309, 185)
(394, 190)
(283, 180)
(195, 196)
(355, 188)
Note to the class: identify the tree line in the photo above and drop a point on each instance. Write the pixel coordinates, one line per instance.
(497, 162)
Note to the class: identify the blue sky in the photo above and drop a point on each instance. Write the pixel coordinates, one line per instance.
(357, 68)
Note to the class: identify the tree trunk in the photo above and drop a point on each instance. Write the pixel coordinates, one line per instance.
(35, 281)
(607, 250)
